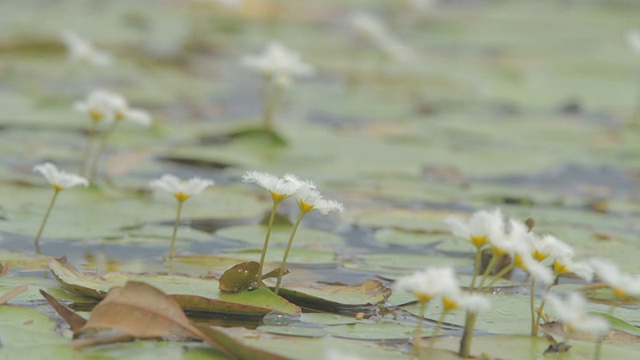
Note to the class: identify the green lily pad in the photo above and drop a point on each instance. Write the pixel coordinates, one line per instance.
(310, 332)
(19, 326)
(193, 294)
(376, 332)
(343, 298)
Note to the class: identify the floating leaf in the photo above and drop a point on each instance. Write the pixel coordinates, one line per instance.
(341, 298)
(193, 294)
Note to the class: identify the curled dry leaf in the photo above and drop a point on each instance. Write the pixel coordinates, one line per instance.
(75, 321)
(143, 312)
(139, 310)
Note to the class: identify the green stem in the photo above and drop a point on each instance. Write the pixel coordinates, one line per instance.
(476, 269)
(102, 143)
(499, 276)
(487, 271)
(270, 98)
(467, 335)
(87, 153)
(532, 306)
(175, 231)
(417, 334)
(286, 252)
(437, 328)
(541, 307)
(44, 221)
(268, 236)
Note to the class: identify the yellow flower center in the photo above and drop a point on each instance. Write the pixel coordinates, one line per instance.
(57, 187)
(518, 261)
(181, 196)
(423, 298)
(95, 115)
(304, 207)
(479, 241)
(278, 197)
(449, 304)
(559, 268)
(538, 255)
(619, 293)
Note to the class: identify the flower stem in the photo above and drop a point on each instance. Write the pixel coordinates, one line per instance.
(86, 160)
(532, 304)
(476, 270)
(417, 334)
(494, 260)
(541, 307)
(467, 335)
(499, 276)
(437, 328)
(44, 221)
(175, 232)
(268, 236)
(286, 252)
(102, 143)
(270, 99)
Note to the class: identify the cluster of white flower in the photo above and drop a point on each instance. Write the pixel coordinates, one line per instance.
(527, 249)
(103, 105)
(440, 283)
(305, 191)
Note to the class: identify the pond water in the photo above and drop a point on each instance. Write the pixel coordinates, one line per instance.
(462, 106)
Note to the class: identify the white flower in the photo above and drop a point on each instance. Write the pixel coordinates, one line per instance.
(571, 313)
(474, 303)
(622, 284)
(280, 189)
(101, 105)
(633, 38)
(137, 116)
(563, 263)
(547, 246)
(525, 260)
(278, 63)
(309, 198)
(60, 179)
(430, 283)
(82, 50)
(482, 226)
(181, 189)
(109, 106)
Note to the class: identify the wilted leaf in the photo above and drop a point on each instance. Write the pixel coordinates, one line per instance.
(75, 321)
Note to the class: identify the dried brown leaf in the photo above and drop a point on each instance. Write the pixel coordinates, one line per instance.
(144, 312)
(75, 321)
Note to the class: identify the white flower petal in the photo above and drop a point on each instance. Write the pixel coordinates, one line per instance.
(60, 179)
